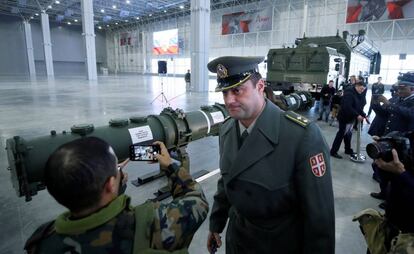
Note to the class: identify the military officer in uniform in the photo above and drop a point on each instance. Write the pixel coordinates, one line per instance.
(398, 115)
(275, 189)
(401, 111)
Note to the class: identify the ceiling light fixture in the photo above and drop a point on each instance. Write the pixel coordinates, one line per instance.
(99, 27)
(76, 20)
(102, 10)
(37, 14)
(150, 15)
(165, 11)
(69, 23)
(181, 6)
(128, 2)
(114, 6)
(137, 18)
(107, 25)
(49, 7)
(57, 2)
(31, 17)
(116, 23)
(126, 20)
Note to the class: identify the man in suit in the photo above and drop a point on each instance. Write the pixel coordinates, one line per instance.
(275, 187)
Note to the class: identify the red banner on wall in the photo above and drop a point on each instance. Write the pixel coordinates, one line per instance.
(125, 39)
(245, 22)
(375, 10)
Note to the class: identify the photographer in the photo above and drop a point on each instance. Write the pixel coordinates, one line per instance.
(394, 231)
(83, 176)
(396, 114)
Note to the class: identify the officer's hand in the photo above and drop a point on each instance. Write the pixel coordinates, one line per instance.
(213, 242)
(395, 166)
(360, 118)
(375, 138)
(164, 157)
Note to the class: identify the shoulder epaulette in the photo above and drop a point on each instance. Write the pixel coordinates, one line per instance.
(227, 118)
(297, 118)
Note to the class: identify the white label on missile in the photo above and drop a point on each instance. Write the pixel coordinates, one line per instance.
(218, 117)
(292, 100)
(303, 97)
(140, 134)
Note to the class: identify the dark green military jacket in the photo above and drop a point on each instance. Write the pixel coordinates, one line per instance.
(277, 189)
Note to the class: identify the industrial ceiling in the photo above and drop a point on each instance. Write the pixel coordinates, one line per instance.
(108, 14)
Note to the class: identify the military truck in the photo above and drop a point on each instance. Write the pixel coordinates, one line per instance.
(316, 60)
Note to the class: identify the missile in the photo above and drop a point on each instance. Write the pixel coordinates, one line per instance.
(176, 128)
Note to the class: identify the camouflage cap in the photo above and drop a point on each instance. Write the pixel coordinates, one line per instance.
(406, 79)
(233, 71)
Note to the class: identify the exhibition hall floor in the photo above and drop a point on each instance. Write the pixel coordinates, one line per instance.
(33, 107)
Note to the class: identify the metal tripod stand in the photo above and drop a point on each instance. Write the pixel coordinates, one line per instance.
(161, 94)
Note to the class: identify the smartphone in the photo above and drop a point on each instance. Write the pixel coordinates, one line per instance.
(143, 152)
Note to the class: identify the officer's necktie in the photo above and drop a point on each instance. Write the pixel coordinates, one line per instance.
(243, 137)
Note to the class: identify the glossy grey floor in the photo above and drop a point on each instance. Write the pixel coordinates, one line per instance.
(33, 107)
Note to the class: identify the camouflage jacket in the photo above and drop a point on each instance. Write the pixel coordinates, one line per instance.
(112, 228)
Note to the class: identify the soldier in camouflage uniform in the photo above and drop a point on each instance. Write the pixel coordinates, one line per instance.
(392, 233)
(82, 175)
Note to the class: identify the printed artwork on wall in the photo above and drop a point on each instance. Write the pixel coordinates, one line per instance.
(376, 10)
(125, 39)
(246, 22)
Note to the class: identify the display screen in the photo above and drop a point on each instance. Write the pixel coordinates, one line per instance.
(165, 42)
(143, 153)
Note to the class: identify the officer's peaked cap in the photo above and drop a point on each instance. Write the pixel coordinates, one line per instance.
(233, 71)
(406, 79)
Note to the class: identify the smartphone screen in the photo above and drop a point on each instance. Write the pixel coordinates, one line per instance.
(143, 152)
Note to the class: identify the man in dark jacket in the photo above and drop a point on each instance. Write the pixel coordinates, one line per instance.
(350, 84)
(187, 78)
(275, 189)
(350, 111)
(377, 89)
(326, 96)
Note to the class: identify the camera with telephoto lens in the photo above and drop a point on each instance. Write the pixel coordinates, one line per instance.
(400, 141)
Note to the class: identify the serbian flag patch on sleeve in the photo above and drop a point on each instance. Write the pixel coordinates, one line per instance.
(318, 165)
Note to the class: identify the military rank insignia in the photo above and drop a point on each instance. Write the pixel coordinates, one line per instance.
(297, 118)
(222, 71)
(318, 165)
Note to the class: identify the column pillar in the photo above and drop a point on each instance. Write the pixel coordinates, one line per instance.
(305, 17)
(144, 52)
(29, 47)
(199, 43)
(89, 37)
(47, 44)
